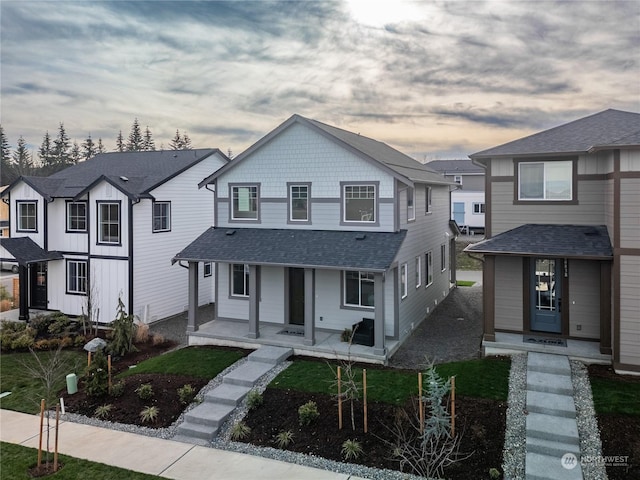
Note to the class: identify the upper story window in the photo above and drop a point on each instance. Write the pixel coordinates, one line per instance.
(457, 179)
(404, 280)
(161, 217)
(244, 202)
(478, 208)
(77, 276)
(359, 203)
(545, 180)
(427, 200)
(443, 257)
(27, 216)
(240, 280)
(411, 204)
(76, 216)
(429, 261)
(358, 289)
(109, 222)
(299, 202)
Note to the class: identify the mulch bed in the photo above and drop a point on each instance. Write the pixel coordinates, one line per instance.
(480, 422)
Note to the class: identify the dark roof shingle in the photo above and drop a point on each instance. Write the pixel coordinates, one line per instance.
(26, 251)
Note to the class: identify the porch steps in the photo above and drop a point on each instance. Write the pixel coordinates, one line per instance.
(201, 424)
(551, 425)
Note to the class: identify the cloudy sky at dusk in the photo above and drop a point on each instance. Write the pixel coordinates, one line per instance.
(433, 79)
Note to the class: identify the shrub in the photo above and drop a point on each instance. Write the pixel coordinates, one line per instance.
(254, 399)
(284, 439)
(351, 449)
(117, 389)
(186, 394)
(494, 474)
(144, 391)
(149, 414)
(41, 324)
(79, 341)
(96, 376)
(308, 413)
(157, 339)
(142, 333)
(42, 344)
(16, 336)
(60, 325)
(103, 411)
(5, 305)
(345, 336)
(240, 431)
(122, 333)
(66, 342)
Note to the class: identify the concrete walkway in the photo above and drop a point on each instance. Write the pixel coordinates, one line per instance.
(165, 458)
(552, 431)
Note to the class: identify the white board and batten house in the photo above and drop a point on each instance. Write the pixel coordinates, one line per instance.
(107, 228)
(318, 228)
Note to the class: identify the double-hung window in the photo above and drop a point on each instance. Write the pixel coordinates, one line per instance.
(545, 181)
(109, 222)
(208, 269)
(27, 216)
(359, 203)
(404, 280)
(77, 277)
(427, 200)
(429, 261)
(161, 217)
(418, 272)
(76, 216)
(299, 202)
(358, 289)
(443, 257)
(244, 202)
(240, 280)
(411, 202)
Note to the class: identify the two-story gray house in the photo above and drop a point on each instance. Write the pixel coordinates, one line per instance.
(562, 253)
(318, 228)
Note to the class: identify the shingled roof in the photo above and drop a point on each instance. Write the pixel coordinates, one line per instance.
(613, 128)
(370, 251)
(25, 251)
(135, 173)
(390, 159)
(454, 167)
(567, 241)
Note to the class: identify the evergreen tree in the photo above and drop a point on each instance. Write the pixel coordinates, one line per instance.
(89, 148)
(7, 175)
(4, 145)
(61, 147)
(135, 142)
(186, 142)
(22, 160)
(120, 143)
(74, 155)
(148, 144)
(176, 143)
(100, 148)
(45, 152)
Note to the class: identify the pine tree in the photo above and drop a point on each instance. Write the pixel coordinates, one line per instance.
(61, 147)
(134, 144)
(22, 160)
(120, 143)
(177, 142)
(45, 152)
(7, 175)
(89, 148)
(186, 142)
(100, 148)
(148, 144)
(74, 155)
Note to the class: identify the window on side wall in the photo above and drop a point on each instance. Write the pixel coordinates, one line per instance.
(240, 280)
(429, 261)
(244, 199)
(109, 223)
(27, 216)
(161, 217)
(478, 208)
(298, 203)
(358, 289)
(418, 272)
(545, 181)
(427, 201)
(443, 257)
(77, 277)
(76, 216)
(208, 269)
(411, 202)
(404, 280)
(359, 203)
(457, 179)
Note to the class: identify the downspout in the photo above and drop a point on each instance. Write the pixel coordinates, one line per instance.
(130, 222)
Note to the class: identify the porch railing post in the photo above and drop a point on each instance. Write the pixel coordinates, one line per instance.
(309, 307)
(192, 314)
(378, 295)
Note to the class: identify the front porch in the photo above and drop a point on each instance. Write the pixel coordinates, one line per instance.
(327, 343)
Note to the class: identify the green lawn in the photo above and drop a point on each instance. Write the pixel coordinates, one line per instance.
(615, 396)
(486, 378)
(16, 460)
(465, 283)
(202, 362)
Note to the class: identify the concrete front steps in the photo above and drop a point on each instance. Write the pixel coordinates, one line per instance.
(553, 445)
(201, 424)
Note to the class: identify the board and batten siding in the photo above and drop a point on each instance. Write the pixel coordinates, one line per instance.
(59, 239)
(105, 192)
(229, 307)
(160, 288)
(629, 308)
(299, 154)
(508, 293)
(57, 297)
(22, 192)
(111, 280)
(584, 299)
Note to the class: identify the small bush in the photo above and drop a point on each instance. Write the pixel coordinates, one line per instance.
(103, 411)
(41, 345)
(494, 474)
(117, 389)
(149, 414)
(254, 399)
(144, 391)
(16, 336)
(142, 333)
(240, 431)
(345, 336)
(284, 439)
(66, 342)
(157, 339)
(41, 324)
(79, 341)
(60, 325)
(186, 394)
(96, 376)
(308, 413)
(122, 333)
(351, 449)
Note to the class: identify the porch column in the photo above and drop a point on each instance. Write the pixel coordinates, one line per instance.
(309, 307)
(378, 323)
(605, 308)
(254, 302)
(192, 315)
(23, 276)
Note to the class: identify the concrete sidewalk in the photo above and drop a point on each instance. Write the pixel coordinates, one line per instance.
(165, 458)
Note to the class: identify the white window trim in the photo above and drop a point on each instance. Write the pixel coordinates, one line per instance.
(234, 187)
(344, 290)
(418, 272)
(429, 265)
(153, 217)
(208, 266)
(428, 200)
(374, 214)
(443, 259)
(404, 281)
(290, 202)
(77, 277)
(246, 275)
(457, 179)
(411, 209)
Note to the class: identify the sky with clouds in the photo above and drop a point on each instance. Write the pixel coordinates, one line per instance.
(434, 79)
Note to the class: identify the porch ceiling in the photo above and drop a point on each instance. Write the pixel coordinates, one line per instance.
(567, 241)
(371, 251)
(26, 251)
